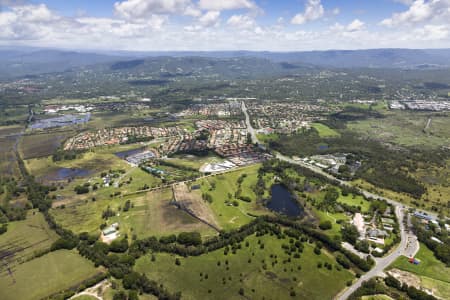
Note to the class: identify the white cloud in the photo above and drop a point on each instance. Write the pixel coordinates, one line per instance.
(38, 25)
(355, 25)
(219, 5)
(141, 9)
(313, 11)
(420, 11)
(34, 13)
(210, 18)
(336, 11)
(241, 21)
(432, 32)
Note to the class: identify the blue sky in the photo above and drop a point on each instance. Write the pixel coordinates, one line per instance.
(282, 25)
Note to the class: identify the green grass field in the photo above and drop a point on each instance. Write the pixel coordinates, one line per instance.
(324, 130)
(432, 272)
(227, 215)
(26, 238)
(8, 163)
(333, 217)
(407, 128)
(197, 275)
(46, 275)
(192, 161)
(355, 200)
(151, 214)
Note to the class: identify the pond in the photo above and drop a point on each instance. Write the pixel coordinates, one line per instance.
(66, 173)
(282, 202)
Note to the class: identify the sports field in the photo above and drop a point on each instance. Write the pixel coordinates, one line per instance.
(251, 269)
(46, 275)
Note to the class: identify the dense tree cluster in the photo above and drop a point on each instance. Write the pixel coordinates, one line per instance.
(349, 233)
(382, 166)
(61, 155)
(440, 250)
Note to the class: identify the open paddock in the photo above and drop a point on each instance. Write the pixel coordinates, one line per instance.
(252, 269)
(24, 239)
(42, 144)
(46, 275)
(407, 129)
(151, 213)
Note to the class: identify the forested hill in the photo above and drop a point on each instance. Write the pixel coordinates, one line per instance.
(31, 61)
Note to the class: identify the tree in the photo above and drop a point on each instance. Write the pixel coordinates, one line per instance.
(133, 295)
(325, 225)
(120, 296)
(3, 228)
(331, 196)
(119, 246)
(189, 238)
(350, 233)
(393, 282)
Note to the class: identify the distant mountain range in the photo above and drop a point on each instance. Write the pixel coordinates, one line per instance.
(33, 61)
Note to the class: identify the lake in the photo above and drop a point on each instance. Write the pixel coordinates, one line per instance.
(282, 202)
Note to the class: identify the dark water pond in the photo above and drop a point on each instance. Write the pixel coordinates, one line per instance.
(282, 202)
(322, 147)
(67, 173)
(125, 154)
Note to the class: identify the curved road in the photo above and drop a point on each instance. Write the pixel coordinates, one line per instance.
(404, 248)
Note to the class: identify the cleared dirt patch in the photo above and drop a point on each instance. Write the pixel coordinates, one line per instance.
(405, 277)
(193, 204)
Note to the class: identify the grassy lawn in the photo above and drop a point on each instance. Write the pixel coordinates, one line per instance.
(432, 272)
(46, 275)
(224, 281)
(333, 217)
(227, 215)
(355, 200)
(324, 130)
(25, 238)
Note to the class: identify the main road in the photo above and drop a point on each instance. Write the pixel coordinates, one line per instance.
(404, 248)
